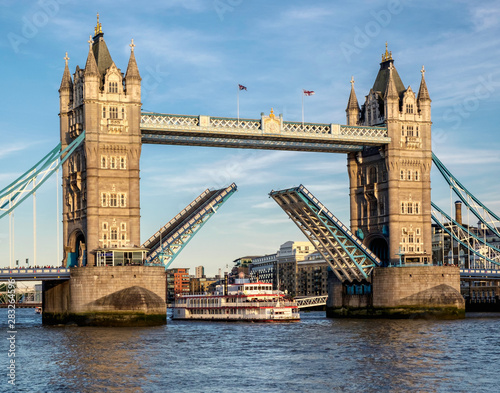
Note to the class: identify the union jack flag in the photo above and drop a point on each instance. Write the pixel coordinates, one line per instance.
(241, 87)
(308, 92)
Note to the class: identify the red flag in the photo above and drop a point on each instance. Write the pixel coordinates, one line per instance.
(242, 87)
(308, 92)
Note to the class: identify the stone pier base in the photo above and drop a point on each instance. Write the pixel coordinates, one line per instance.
(400, 292)
(107, 296)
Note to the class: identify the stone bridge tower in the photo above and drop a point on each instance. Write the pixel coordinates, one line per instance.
(390, 189)
(101, 179)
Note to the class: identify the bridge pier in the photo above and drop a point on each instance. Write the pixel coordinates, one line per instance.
(399, 292)
(107, 296)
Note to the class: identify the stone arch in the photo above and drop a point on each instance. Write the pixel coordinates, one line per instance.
(76, 250)
(379, 246)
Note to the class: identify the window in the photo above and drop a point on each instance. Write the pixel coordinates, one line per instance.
(122, 200)
(123, 163)
(112, 162)
(113, 113)
(402, 130)
(114, 234)
(123, 226)
(104, 226)
(416, 175)
(417, 208)
(103, 200)
(409, 108)
(103, 112)
(373, 175)
(402, 175)
(103, 161)
(113, 87)
(123, 113)
(410, 237)
(409, 175)
(112, 200)
(410, 208)
(403, 207)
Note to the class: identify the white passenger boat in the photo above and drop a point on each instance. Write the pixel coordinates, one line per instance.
(242, 301)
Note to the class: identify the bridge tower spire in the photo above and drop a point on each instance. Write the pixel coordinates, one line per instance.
(390, 186)
(101, 179)
(352, 109)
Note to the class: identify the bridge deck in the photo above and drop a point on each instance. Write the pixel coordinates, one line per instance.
(349, 259)
(169, 240)
(42, 274)
(266, 133)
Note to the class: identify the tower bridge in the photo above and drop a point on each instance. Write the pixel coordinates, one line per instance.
(388, 145)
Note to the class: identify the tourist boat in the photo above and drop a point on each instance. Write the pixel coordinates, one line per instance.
(38, 310)
(241, 301)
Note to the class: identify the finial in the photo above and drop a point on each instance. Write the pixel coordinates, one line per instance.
(271, 115)
(66, 58)
(387, 55)
(98, 27)
(132, 45)
(422, 71)
(352, 82)
(90, 41)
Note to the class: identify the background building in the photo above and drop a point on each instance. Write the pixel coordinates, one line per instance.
(177, 282)
(199, 271)
(302, 270)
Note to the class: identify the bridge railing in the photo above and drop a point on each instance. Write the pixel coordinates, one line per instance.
(160, 121)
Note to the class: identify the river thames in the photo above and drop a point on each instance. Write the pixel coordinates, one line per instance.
(314, 355)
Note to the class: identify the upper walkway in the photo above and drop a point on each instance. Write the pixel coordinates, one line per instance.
(268, 132)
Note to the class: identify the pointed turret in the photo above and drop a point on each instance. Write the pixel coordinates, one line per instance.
(132, 69)
(423, 93)
(390, 90)
(91, 64)
(352, 109)
(423, 99)
(391, 97)
(66, 82)
(132, 76)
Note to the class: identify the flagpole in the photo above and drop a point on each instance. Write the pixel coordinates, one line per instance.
(302, 111)
(238, 103)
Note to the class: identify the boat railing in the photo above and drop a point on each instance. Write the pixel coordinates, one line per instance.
(239, 304)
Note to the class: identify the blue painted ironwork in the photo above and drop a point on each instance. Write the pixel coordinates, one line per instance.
(32, 274)
(167, 243)
(462, 236)
(483, 213)
(27, 184)
(348, 257)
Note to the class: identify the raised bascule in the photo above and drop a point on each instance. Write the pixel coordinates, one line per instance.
(380, 266)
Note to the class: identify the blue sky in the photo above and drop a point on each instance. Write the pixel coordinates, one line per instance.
(192, 55)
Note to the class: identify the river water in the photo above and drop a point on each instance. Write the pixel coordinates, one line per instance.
(314, 355)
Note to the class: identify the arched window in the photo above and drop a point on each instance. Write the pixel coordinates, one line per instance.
(373, 175)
